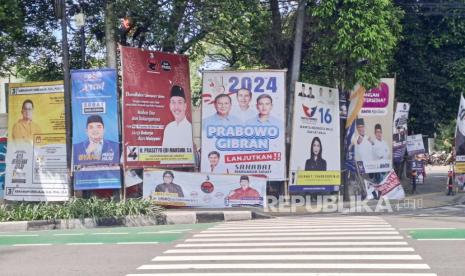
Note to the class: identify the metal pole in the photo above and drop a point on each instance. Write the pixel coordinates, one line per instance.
(67, 87)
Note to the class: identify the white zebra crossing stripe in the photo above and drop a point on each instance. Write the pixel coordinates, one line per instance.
(251, 244)
(327, 233)
(283, 257)
(358, 226)
(297, 238)
(293, 249)
(298, 230)
(288, 274)
(287, 266)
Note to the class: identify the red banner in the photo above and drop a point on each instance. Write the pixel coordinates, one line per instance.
(157, 120)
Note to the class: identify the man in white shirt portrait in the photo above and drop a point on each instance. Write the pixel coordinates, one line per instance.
(243, 110)
(178, 133)
(215, 166)
(363, 143)
(380, 147)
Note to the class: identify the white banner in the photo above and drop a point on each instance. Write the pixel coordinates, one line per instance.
(315, 161)
(415, 144)
(243, 123)
(175, 188)
(389, 188)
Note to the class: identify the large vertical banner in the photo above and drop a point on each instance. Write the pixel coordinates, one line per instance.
(36, 167)
(243, 120)
(157, 122)
(399, 136)
(369, 134)
(95, 129)
(460, 138)
(315, 163)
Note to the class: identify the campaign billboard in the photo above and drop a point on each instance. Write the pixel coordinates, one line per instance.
(95, 117)
(415, 144)
(243, 122)
(315, 162)
(368, 138)
(36, 168)
(400, 131)
(460, 137)
(174, 188)
(157, 120)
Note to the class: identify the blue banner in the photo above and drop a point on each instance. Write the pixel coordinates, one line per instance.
(97, 179)
(2, 165)
(95, 117)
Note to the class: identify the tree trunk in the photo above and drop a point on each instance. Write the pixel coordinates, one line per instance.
(110, 41)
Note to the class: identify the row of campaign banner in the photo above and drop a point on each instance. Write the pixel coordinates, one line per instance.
(243, 130)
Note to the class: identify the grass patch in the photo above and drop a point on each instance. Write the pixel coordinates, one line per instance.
(79, 208)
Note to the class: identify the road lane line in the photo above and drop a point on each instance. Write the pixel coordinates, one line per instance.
(111, 233)
(131, 243)
(32, 244)
(19, 235)
(283, 257)
(70, 234)
(84, 243)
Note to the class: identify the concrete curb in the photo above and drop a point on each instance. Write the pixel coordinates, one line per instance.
(168, 217)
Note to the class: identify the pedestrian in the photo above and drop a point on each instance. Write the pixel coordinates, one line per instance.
(414, 181)
(450, 183)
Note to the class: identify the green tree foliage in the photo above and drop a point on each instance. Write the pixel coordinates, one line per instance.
(430, 66)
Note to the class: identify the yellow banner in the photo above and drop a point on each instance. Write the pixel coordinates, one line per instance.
(318, 178)
(460, 167)
(189, 157)
(35, 108)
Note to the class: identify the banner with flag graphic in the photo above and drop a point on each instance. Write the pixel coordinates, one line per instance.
(315, 163)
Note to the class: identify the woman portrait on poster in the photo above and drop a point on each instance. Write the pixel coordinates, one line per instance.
(316, 162)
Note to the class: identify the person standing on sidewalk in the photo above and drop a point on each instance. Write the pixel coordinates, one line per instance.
(414, 181)
(450, 183)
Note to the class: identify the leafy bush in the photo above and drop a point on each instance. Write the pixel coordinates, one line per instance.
(78, 208)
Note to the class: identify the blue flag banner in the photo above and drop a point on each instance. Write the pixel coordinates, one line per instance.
(95, 117)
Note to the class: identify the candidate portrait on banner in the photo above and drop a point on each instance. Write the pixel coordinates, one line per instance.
(95, 148)
(178, 133)
(25, 128)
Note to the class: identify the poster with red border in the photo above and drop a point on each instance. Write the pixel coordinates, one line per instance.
(157, 119)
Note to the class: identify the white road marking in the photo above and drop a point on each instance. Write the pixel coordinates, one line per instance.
(32, 244)
(286, 265)
(327, 233)
(293, 249)
(19, 235)
(283, 257)
(288, 274)
(428, 228)
(111, 233)
(298, 230)
(84, 243)
(387, 226)
(70, 234)
(131, 243)
(297, 238)
(251, 244)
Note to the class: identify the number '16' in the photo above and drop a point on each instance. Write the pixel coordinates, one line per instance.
(325, 116)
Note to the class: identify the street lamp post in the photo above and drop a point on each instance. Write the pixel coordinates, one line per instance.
(60, 12)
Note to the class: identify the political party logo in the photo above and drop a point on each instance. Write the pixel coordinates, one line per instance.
(207, 186)
(309, 111)
(165, 65)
